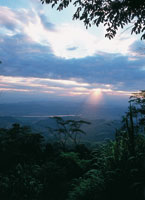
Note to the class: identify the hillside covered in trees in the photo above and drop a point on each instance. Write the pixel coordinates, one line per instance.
(65, 169)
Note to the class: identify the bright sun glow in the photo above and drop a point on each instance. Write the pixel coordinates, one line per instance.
(95, 97)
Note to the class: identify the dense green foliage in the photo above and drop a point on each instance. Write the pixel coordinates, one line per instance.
(113, 14)
(32, 169)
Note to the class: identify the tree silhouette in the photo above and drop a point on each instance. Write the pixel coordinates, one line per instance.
(68, 130)
(113, 14)
(138, 103)
(134, 120)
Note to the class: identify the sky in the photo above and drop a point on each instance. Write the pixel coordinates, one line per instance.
(46, 55)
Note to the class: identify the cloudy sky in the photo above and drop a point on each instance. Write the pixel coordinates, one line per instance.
(46, 55)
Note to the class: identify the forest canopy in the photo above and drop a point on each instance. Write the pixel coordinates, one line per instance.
(32, 169)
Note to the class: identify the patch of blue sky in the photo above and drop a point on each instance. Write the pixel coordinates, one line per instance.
(15, 4)
(66, 17)
(54, 16)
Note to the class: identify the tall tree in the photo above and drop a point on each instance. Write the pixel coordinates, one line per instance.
(134, 120)
(138, 102)
(111, 13)
(68, 130)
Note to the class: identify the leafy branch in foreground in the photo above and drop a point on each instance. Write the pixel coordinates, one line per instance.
(113, 14)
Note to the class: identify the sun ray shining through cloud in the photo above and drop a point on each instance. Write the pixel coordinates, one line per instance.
(58, 87)
(95, 97)
(61, 58)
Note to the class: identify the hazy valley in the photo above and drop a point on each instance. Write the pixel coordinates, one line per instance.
(104, 119)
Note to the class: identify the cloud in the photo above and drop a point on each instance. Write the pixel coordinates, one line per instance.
(14, 90)
(137, 49)
(65, 40)
(22, 57)
(72, 48)
(42, 85)
(60, 38)
(46, 23)
(39, 49)
(8, 18)
(57, 87)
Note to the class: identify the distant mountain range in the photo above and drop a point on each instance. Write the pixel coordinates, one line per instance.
(98, 130)
(104, 118)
